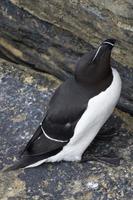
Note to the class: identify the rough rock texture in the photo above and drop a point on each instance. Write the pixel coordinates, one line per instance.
(50, 36)
(37, 44)
(24, 95)
(90, 20)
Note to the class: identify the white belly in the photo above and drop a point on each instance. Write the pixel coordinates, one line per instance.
(98, 111)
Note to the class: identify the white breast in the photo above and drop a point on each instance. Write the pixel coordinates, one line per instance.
(98, 111)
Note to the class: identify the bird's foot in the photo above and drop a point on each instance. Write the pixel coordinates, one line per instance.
(110, 159)
(106, 135)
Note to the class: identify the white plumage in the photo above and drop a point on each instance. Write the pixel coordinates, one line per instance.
(98, 111)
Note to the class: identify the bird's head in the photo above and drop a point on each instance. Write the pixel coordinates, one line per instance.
(95, 66)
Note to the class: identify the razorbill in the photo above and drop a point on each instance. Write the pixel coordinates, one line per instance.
(76, 112)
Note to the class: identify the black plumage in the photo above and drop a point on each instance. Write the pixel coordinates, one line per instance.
(92, 76)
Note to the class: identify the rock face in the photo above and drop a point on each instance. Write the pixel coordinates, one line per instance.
(24, 97)
(50, 37)
(38, 44)
(90, 20)
(50, 47)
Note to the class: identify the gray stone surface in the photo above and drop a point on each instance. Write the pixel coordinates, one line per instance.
(24, 96)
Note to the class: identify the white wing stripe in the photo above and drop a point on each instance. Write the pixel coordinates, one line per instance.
(52, 138)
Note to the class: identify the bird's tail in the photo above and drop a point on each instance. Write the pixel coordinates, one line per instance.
(35, 160)
(18, 165)
(26, 161)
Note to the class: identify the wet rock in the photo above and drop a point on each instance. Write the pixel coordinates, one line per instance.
(23, 105)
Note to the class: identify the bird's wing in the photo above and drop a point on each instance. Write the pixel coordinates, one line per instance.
(65, 109)
(41, 143)
(38, 149)
(58, 124)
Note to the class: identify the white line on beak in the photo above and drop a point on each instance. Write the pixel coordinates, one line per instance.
(108, 43)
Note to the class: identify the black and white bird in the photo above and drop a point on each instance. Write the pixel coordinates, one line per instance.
(78, 109)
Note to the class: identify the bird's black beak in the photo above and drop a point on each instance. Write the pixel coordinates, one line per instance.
(104, 50)
(109, 43)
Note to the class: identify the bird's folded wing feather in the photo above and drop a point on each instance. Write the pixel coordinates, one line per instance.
(59, 123)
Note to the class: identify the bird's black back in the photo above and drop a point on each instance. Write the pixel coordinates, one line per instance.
(68, 104)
